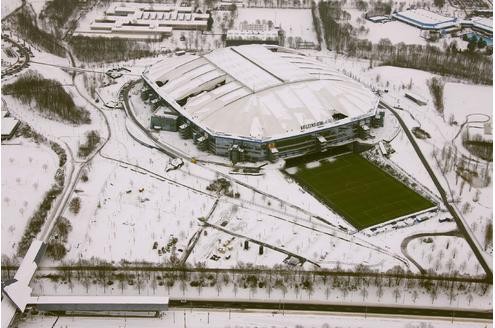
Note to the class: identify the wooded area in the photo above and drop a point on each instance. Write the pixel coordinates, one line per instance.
(23, 23)
(103, 49)
(47, 96)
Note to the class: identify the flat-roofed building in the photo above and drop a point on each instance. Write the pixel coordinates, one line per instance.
(100, 303)
(425, 19)
(144, 21)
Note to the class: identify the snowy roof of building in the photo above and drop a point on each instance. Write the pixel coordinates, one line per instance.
(8, 125)
(258, 92)
(425, 18)
(101, 299)
(483, 23)
(19, 292)
(252, 34)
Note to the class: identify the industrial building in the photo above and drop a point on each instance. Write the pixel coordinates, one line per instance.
(258, 102)
(433, 22)
(145, 21)
(254, 34)
(425, 20)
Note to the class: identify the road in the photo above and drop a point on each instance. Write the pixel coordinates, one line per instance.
(325, 307)
(460, 223)
(77, 170)
(405, 242)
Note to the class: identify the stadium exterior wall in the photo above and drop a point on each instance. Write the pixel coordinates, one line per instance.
(293, 146)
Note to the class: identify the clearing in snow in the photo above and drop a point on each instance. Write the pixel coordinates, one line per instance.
(360, 191)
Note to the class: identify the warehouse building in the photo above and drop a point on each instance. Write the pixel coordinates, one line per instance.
(426, 20)
(258, 102)
(145, 21)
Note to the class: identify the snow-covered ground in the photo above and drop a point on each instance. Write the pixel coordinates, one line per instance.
(124, 211)
(444, 254)
(460, 100)
(395, 31)
(71, 134)
(309, 239)
(9, 6)
(294, 22)
(37, 5)
(28, 171)
(276, 183)
(219, 318)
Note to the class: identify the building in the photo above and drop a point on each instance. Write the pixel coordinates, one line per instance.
(257, 102)
(107, 304)
(436, 24)
(9, 125)
(165, 119)
(378, 19)
(239, 37)
(426, 20)
(145, 21)
(481, 25)
(254, 34)
(416, 98)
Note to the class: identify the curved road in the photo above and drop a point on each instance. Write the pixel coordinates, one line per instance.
(405, 242)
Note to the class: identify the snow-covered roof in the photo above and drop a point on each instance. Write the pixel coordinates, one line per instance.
(8, 125)
(252, 92)
(425, 19)
(101, 299)
(19, 292)
(483, 23)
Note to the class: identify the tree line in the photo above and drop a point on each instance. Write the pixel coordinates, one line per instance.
(39, 217)
(48, 97)
(101, 49)
(396, 281)
(92, 139)
(59, 11)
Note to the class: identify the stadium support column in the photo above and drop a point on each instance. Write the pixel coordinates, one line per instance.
(272, 153)
(236, 154)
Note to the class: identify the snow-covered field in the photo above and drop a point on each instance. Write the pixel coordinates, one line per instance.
(219, 318)
(307, 239)
(28, 171)
(124, 211)
(9, 6)
(37, 5)
(444, 254)
(295, 22)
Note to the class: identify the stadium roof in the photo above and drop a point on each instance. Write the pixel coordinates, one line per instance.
(255, 93)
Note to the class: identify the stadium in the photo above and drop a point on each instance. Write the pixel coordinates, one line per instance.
(258, 102)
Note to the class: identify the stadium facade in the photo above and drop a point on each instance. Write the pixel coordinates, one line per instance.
(258, 102)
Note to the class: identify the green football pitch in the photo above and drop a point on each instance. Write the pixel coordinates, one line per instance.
(360, 191)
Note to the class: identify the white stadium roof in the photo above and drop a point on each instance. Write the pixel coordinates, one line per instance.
(254, 93)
